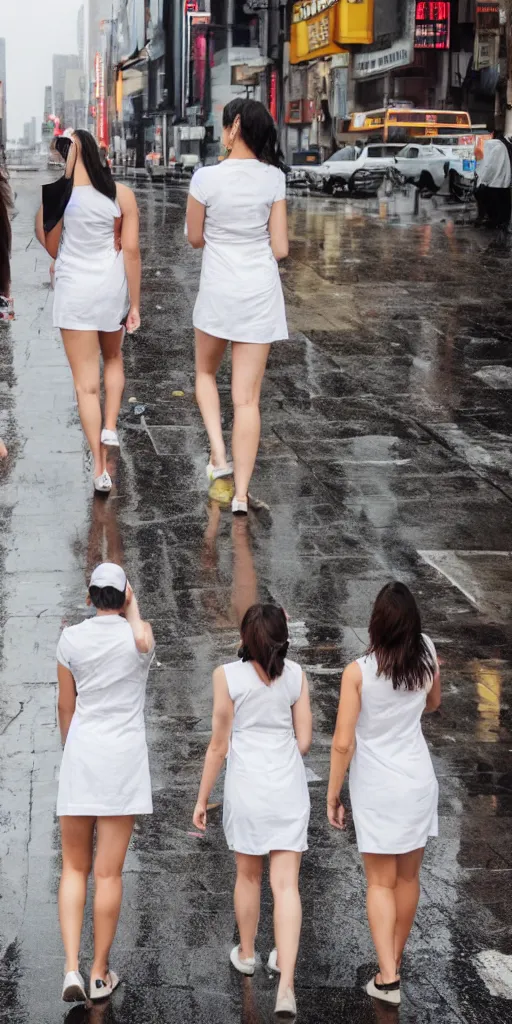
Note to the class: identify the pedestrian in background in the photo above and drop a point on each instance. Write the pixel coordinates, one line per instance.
(102, 669)
(6, 206)
(493, 194)
(393, 788)
(236, 212)
(262, 721)
(95, 243)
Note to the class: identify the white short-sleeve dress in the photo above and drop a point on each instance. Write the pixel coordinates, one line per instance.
(266, 797)
(240, 295)
(104, 769)
(91, 289)
(393, 788)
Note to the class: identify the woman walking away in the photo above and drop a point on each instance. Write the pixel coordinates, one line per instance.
(6, 206)
(95, 241)
(237, 212)
(102, 668)
(393, 789)
(261, 713)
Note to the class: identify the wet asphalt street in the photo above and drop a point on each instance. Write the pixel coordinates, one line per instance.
(385, 452)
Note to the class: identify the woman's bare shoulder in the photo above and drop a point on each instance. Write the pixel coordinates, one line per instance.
(125, 196)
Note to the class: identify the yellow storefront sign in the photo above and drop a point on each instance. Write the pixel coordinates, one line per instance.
(321, 28)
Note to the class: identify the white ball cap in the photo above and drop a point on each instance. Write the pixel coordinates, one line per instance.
(108, 574)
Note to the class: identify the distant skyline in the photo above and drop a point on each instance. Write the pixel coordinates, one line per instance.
(33, 31)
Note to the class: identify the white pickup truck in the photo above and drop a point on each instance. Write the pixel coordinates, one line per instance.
(352, 168)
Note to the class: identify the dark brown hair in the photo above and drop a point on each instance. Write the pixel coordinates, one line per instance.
(5, 234)
(396, 639)
(264, 632)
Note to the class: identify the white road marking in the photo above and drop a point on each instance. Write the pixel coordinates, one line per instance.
(495, 970)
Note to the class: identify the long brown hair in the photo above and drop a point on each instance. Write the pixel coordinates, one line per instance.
(5, 234)
(264, 633)
(396, 639)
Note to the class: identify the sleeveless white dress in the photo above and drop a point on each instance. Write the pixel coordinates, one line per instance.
(91, 291)
(104, 769)
(266, 797)
(240, 295)
(393, 788)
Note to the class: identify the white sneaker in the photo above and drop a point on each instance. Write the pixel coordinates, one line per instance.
(272, 962)
(286, 1005)
(109, 438)
(239, 508)
(218, 472)
(387, 993)
(244, 966)
(73, 990)
(103, 483)
(103, 989)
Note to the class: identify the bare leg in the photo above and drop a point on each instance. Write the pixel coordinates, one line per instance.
(113, 374)
(248, 368)
(83, 351)
(381, 873)
(407, 894)
(112, 839)
(209, 354)
(284, 879)
(3, 450)
(76, 835)
(247, 901)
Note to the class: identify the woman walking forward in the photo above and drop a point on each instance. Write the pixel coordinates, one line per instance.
(102, 668)
(237, 212)
(393, 789)
(261, 713)
(97, 289)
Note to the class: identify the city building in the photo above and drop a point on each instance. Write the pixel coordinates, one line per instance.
(30, 133)
(61, 64)
(80, 37)
(3, 96)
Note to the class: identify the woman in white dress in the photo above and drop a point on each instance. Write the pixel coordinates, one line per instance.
(237, 213)
(262, 721)
(97, 288)
(102, 668)
(393, 788)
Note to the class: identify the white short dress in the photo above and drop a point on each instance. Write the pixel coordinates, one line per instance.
(91, 290)
(393, 788)
(104, 769)
(240, 295)
(266, 797)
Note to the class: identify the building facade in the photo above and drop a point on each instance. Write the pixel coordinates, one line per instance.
(62, 63)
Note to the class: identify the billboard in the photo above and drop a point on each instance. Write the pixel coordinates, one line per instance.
(321, 28)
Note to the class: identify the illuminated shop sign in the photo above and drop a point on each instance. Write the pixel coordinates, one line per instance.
(432, 26)
(321, 28)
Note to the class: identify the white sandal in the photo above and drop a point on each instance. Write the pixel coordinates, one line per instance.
(109, 438)
(239, 508)
(218, 472)
(272, 962)
(101, 989)
(244, 966)
(387, 993)
(286, 1005)
(73, 990)
(103, 483)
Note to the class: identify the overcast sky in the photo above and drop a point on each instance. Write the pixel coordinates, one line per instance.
(33, 30)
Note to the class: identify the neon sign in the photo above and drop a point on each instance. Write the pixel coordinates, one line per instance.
(432, 26)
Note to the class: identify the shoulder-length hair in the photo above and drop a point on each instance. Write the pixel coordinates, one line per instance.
(264, 633)
(396, 639)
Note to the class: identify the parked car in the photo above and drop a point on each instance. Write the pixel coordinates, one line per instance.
(350, 168)
(437, 168)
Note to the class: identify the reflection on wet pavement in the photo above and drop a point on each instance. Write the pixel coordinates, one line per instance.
(385, 452)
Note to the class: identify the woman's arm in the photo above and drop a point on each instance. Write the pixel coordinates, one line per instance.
(142, 631)
(278, 227)
(434, 696)
(344, 740)
(49, 241)
(196, 213)
(131, 252)
(222, 723)
(302, 718)
(67, 699)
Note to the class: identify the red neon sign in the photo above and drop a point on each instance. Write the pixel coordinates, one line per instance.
(432, 26)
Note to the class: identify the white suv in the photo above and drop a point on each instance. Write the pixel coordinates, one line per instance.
(350, 168)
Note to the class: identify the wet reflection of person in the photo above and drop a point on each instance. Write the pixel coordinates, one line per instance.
(104, 542)
(244, 590)
(262, 714)
(102, 668)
